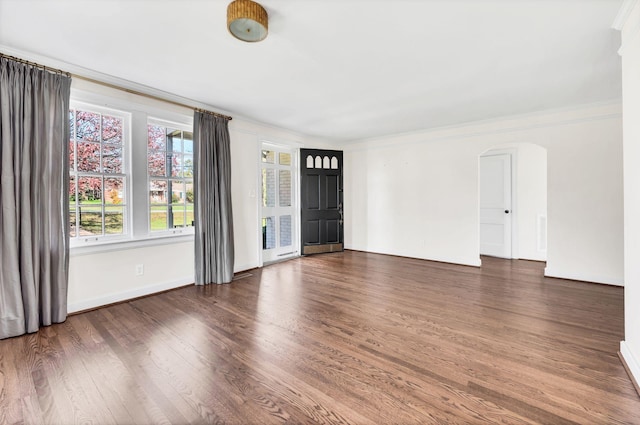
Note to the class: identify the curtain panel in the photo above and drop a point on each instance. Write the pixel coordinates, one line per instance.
(34, 208)
(214, 249)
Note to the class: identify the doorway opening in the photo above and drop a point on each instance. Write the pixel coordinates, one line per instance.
(513, 202)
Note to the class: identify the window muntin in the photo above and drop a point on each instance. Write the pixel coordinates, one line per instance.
(170, 176)
(97, 174)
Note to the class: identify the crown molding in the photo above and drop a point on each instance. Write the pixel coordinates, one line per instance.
(109, 80)
(623, 14)
(575, 114)
(239, 120)
(631, 27)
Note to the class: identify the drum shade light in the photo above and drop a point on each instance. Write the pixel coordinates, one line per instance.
(247, 20)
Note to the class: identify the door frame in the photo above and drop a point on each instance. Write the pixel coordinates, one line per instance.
(513, 154)
(294, 149)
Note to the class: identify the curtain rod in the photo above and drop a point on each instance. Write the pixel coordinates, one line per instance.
(149, 96)
(113, 86)
(36, 65)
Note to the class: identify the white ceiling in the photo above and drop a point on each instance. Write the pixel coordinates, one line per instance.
(341, 69)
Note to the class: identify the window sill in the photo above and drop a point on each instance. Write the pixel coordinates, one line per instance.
(122, 245)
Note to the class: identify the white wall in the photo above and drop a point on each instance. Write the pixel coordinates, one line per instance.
(416, 194)
(531, 199)
(630, 51)
(102, 278)
(107, 276)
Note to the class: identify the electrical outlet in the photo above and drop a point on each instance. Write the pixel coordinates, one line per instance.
(139, 269)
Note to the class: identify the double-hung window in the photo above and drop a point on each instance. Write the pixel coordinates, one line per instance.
(131, 175)
(170, 174)
(98, 186)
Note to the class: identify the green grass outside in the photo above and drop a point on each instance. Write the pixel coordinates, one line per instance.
(158, 217)
(91, 217)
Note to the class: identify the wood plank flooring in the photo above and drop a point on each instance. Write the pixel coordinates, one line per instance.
(335, 339)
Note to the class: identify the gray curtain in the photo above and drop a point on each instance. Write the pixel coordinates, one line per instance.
(34, 234)
(212, 204)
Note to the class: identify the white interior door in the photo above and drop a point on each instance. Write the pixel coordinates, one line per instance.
(495, 205)
(279, 229)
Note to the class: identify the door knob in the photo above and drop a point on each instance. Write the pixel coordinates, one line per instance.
(506, 211)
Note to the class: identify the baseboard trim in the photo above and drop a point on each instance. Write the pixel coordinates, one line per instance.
(606, 280)
(477, 263)
(630, 364)
(126, 295)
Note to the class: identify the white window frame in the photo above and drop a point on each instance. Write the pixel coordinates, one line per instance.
(135, 165)
(78, 241)
(175, 231)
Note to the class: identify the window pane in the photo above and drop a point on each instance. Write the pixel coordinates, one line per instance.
(156, 137)
(285, 159)
(87, 126)
(187, 138)
(156, 164)
(72, 189)
(158, 217)
(187, 165)
(174, 161)
(72, 156)
(114, 191)
(189, 209)
(182, 203)
(268, 157)
(90, 220)
(189, 200)
(114, 220)
(174, 139)
(268, 233)
(88, 157)
(111, 129)
(72, 220)
(90, 190)
(284, 188)
(268, 188)
(285, 230)
(178, 215)
(178, 194)
(158, 191)
(189, 191)
(72, 124)
(112, 159)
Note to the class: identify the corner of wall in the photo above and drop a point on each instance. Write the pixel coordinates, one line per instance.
(631, 363)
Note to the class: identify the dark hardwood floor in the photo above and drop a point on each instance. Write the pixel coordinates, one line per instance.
(334, 339)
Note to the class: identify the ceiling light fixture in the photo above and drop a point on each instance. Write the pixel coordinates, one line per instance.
(247, 20)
